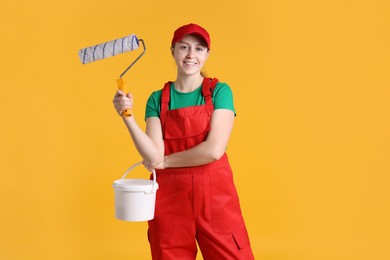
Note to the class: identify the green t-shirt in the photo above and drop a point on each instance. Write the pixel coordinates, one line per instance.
(222, 98)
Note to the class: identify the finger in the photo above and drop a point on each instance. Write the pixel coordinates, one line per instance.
(127, 105)
(147, 165)
(119, 104)
(120, 93)
(122, 100)
(144, 163)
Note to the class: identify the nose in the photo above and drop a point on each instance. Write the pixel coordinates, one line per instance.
(190, 52)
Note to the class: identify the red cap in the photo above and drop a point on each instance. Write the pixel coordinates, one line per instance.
(191, 29)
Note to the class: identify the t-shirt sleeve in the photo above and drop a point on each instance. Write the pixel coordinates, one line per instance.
(223, 97)
(153, 105)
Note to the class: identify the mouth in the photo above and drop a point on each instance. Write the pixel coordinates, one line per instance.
(190, 63)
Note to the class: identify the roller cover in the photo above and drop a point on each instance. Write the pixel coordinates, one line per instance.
(108, 49)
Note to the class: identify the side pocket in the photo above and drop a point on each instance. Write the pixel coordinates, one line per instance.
(241, 238)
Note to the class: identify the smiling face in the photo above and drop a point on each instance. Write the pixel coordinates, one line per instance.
(190, 55)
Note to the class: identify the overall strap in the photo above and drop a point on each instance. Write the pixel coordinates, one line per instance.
(208, 86)
(165, 96)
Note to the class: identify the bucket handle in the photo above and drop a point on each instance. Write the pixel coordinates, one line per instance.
(135, 165)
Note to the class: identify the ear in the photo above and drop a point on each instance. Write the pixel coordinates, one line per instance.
(207, 54)
(172, 49)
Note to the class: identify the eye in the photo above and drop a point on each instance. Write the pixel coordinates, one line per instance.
(199, 49)
(183, 47)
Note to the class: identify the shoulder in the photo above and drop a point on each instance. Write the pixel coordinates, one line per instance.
(155, 96)
(222, 88)
(153, 104)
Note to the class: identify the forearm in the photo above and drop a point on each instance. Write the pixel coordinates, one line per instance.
(201, 154)
(145, 146)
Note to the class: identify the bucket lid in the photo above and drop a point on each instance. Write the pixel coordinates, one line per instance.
(135, 185)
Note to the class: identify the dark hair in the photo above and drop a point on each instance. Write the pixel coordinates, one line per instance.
(202, 41)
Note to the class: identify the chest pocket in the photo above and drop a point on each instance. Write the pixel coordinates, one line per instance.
(183, 128)
(187, 122)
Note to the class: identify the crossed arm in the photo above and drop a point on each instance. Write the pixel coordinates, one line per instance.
(150, 144)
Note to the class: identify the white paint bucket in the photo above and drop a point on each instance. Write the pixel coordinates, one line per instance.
(135, 199)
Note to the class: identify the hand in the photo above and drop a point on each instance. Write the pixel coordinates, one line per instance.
(161, 165)
(148, 166)
(122, 101)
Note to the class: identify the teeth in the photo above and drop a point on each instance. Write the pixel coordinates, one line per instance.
(189, 62)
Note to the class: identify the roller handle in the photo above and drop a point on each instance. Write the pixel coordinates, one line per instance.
(122, 86)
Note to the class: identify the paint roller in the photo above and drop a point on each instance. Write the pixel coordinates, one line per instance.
(112, 48)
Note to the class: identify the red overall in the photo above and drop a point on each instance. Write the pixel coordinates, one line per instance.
(195, 203)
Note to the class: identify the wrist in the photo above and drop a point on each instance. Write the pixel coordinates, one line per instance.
(128, 119)
(165, 161)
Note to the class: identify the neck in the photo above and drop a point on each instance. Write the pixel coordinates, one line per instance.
(189, 83)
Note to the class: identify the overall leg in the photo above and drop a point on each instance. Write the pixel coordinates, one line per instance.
(221, 231)
(172, 231)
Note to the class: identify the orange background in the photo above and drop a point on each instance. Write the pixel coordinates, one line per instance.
(309, 150)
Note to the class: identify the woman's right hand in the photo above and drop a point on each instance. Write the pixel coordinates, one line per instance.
(122, 101)
(148, 166)
(161, 165)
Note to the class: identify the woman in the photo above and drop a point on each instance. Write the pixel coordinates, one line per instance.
(188, 125)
